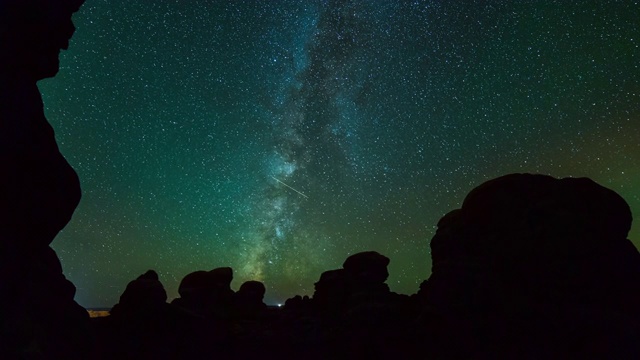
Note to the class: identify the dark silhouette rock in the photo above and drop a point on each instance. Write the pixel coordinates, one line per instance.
(332, 291)
(216, 280)
(298, 306)
(207, 293)
(367, 272)
(529, 267)
(541, 254)
(368, 267)
(252, 289)
(144, 326)
(39, 191)
(361, 280)
(249, 299)
(144, 294)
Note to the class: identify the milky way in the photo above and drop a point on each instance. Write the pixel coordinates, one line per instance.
(278, 137)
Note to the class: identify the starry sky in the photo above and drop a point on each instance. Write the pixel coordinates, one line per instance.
(278, 137)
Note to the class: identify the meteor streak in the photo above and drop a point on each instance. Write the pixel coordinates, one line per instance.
(305, 196)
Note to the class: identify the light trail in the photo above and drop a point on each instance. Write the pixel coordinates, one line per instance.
(305, 196)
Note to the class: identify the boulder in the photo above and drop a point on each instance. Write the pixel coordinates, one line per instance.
(252, 291)
(207, 293)
(367, 267)
(523, 252)
(249, 299)
(332, 290)
(144, 294)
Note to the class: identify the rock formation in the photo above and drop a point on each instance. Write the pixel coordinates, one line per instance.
(144, 294)
(538, 266)
(529, 267)
(361, 280)
(248, 301)
(144, 326)
(207, 293)
(39, 191)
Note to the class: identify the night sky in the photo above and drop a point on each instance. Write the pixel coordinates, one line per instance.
(278, 137)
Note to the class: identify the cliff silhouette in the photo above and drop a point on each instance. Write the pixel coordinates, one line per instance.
(39, 191)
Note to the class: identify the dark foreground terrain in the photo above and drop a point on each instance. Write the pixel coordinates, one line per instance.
(530, 267)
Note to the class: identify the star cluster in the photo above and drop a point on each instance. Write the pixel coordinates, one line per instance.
(278, 137)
